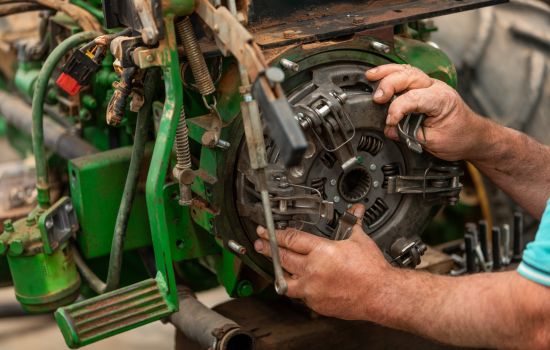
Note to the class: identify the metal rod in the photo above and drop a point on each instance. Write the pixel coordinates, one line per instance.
(517, 238)
(483, 230)
(497, 257)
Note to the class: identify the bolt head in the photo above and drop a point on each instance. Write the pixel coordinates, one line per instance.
(68, 207)
(49, 223)
(375, 184)
(333, 182)
(372, 167)
(336, 199)
(149, 58)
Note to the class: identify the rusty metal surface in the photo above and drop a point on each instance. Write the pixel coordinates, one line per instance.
(282, 324)
(339, 18)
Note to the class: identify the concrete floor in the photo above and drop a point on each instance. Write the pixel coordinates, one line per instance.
(40, 332)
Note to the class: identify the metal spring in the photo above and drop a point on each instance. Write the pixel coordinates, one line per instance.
(319, 185)
(375, 212)
(328, 160)
(388, 170)
(370, 144)
(187, 36)
(183, 153)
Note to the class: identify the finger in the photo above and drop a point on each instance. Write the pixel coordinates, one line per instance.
(406, 79)
(358, 234)
(377, 73)
(425, 101)
(358, 210)
(295, 240)
(290, 261)
(391, 133)
(294, 288)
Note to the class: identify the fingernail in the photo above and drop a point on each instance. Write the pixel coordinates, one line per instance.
(379, 93)
(258, 245)
(260, 230)
(373, 70)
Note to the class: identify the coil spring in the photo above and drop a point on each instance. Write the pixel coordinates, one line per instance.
(388, 170)
(328, 160)
(319, 185)
(202, 76)
(370, 144)
(375, 212)
(183, 153)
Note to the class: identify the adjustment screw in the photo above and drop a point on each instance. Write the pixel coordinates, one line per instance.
(372, 167)
(336, 199)
(49, 224)
(333, 182)
(375, 184)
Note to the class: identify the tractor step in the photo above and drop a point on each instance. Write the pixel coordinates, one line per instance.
(112, 313)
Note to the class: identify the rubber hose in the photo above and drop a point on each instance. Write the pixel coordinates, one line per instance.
(40, 91)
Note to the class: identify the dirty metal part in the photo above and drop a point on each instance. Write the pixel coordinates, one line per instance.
(408, 129)
(236, 247)
(483, 230)
(407, 253)
(470, 243)
(56, 138)
(288, 64)
(273, 29)
(186, 34)
(345, 226)
(183, 171)
(207, 327)
(58, 224)
(117, 105)
(506, 258)
(496, 248)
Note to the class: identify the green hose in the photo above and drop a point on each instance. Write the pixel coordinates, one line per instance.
(40, 91)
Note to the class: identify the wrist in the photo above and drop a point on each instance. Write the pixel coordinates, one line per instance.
(483, 135)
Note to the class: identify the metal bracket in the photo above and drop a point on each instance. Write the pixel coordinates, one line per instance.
(58, 224)
(408, 132)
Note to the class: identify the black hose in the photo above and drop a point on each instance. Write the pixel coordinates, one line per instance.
(60, 140)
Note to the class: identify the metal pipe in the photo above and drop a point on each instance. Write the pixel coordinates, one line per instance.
(18, 113)
(207, 327)
(40, 91)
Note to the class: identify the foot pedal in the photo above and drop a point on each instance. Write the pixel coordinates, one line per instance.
(112, 313)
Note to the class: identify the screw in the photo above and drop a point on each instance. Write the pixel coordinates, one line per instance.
(333, 182)
(245, 289)
(336, 199)
(380, 47)
(49, 223)
(236, 247)
(288, 64)
(223, 144)
(149, 58)
(375, 184)
(8, 226)
(372, 167)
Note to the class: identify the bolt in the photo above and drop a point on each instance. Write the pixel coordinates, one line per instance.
(149, 58)
(333, 182)
(375, 184)
(336, 199)
(288, 64)
(350, 205)
(8, 226)
(49, 223)
(68, 207)
(372, 167)
(16, 247)
(236, 247)
(248, 98)
(358, 20)
(31, 220)
(380, 47)
(223, 144)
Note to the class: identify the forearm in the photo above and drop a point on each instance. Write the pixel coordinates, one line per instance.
(516, 163)
(486, 310)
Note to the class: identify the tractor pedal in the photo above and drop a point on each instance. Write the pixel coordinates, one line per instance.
(112, 313)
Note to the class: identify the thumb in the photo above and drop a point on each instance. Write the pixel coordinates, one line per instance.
(358, 210)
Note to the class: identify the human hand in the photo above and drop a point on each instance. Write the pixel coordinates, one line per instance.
(334, 278)
(451, 127)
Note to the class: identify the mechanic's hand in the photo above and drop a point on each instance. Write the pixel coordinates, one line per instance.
(332, 277)
(452, 128)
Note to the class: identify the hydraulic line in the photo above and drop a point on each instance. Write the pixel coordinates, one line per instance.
(40, 91)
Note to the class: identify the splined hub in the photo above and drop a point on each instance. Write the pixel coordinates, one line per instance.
(354, 185)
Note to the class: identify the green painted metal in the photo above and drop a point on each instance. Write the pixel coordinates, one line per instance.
(178, 7)
(112, 313)
(26, 76)
(96, 183)
(43, 279)
(41, 88)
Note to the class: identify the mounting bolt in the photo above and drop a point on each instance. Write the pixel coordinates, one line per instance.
(245, 289)
(380, 47)
(288, 64)
(336, 199)
(236, 247)
(333, 182)
(223, 144)
(149, 58)
(375, 184)
(49, 223)
(372, 167)
(68, 207)
(16, 247)
(8, 226)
